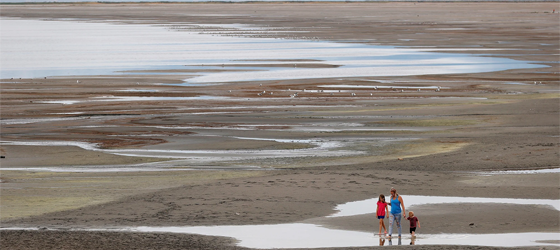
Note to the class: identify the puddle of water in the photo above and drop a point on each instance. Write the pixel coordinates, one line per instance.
(364, 206)
(196, 157)
(150, 167)
(63, 102)
(324, 148)
(301, 235)
(536, 171)
(38, 120)
(83, 145)
(91, 169)
(136, 99)
(304, 235)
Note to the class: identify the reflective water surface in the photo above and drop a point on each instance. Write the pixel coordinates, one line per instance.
(33, 48)
(304, 235)
(299, 235)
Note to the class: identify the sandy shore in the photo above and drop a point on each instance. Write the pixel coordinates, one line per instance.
(439, 148)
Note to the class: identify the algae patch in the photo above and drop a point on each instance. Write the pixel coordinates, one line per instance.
(27, 194)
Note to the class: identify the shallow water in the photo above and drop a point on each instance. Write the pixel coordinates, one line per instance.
(305, 235)
(301, 235)
(318, 147)
(136, 99)
(32, 48)
(364, 206)
(534, 171)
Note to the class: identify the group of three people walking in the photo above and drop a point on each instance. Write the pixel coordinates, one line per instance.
(396, 203)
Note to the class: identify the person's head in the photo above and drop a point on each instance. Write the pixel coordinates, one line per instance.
(410, 214)
(393, 192)
(382, 198)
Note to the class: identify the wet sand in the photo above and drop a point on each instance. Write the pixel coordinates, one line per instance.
(422, 143)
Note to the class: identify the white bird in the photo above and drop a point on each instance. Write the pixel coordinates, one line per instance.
(77, 81)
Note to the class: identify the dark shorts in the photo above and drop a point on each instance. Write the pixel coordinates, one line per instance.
(412, 229)
(381, 217)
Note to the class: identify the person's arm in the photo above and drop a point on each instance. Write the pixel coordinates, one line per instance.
(402, 205)
(377, 211)
(387, 210)
(418, 222)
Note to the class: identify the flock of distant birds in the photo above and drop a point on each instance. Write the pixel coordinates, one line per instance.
(296, 94)
(353, 94)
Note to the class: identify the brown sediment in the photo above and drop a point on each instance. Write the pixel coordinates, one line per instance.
(496, 126)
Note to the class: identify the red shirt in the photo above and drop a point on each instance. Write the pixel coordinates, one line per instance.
(381, 208)
(413, 221)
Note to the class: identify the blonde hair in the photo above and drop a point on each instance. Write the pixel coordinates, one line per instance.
(410, 212)
(394, 190)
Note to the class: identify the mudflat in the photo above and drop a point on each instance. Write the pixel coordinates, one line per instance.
(433, 143)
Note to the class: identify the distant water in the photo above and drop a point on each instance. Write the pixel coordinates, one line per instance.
(34, 48)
